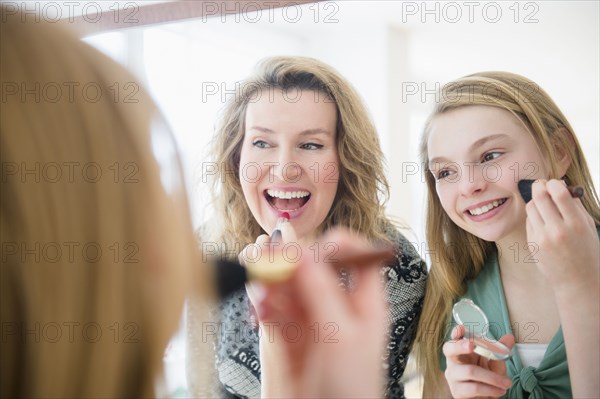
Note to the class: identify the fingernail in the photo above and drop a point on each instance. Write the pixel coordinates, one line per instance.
(466, 344)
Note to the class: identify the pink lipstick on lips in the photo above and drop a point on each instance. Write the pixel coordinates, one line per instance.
(276, 234)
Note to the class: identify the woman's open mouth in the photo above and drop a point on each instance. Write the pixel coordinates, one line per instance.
(287, 201)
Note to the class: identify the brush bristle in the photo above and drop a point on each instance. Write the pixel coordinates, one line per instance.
(525, 189)
(230, 276)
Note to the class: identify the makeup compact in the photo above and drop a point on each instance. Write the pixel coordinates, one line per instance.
(468, 314)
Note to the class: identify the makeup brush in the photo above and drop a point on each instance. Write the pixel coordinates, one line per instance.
(525, 190)
(230, 275)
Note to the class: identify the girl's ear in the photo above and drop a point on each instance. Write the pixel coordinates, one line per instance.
(562, 141)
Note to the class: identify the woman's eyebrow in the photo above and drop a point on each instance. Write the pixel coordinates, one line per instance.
(303, 133)
(261, 129)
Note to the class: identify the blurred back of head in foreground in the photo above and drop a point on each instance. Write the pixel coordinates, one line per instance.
(97, 245)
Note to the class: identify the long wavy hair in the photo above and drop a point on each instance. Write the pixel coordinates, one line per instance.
(80, 173)
(460, 255)
(362, 188)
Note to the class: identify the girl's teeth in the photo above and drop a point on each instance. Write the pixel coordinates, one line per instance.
(486, 208)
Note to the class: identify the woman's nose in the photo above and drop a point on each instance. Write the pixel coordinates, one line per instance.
(286, 166)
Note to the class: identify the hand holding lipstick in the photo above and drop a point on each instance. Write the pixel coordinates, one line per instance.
(276, 234)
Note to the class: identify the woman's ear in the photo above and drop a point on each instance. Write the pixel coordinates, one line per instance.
(563, 140)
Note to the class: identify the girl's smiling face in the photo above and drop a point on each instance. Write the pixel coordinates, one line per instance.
(289, 159)
(477, 154)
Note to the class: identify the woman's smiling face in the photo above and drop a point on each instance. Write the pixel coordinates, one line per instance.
(289, 160)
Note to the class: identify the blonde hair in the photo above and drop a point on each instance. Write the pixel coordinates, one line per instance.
(88, 302)
(460, 255)
(363, 187)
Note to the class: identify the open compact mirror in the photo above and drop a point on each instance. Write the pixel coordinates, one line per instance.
(476, 324)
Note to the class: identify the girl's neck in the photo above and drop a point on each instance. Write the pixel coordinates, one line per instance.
(517, 256)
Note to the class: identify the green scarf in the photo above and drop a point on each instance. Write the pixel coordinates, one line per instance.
(551, 378)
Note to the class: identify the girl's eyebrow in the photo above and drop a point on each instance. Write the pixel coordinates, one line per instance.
(473, 147)
(485, 139)
(303, 133)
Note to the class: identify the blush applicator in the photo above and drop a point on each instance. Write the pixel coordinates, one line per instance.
(525, 190)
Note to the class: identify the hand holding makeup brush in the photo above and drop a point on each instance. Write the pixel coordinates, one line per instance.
(564, 235)
(335, 346)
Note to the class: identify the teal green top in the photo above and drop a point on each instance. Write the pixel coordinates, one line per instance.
(551, 378)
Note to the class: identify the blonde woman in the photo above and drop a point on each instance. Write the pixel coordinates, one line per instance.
(97, 247)
(533, 268)
(296, 138)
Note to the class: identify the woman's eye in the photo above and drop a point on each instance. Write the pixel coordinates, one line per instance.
(490, 156)
(311, 146)
(260, 144)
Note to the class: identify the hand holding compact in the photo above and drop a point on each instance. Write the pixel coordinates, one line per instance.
(470, 375)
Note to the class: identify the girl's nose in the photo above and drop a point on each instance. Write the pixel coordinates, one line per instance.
(472, 180)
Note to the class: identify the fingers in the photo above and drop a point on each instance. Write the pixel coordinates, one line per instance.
(472, 389)
(466, 378)
(544, 204)
(340, 241)
(554, 203)
(288, 233)
(467, 373)
(458, 332)
(508, 340)
(471, 380)
(460, 351)
(317, 289)
(253, 252)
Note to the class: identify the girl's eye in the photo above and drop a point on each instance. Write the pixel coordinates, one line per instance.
(311, 146)
(260, 144)
(490, 156)
(442, 174)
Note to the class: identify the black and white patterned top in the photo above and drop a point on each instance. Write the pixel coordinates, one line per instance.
(237, 345)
